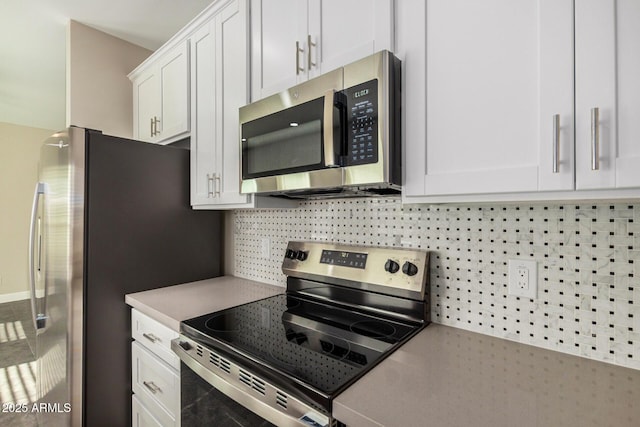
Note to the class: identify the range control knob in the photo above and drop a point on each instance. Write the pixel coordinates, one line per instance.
(409, 269)
(302, 255)
(391, 266)
(291, 254)
(185, 345)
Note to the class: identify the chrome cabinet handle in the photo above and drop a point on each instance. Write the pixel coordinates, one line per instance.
(151, 130)
(153, 388)
(218, 184)
(210, 190)
(154, 126)
(151, 337)
(309, 45)
(595, 139)
(298, 51)
(556, 143)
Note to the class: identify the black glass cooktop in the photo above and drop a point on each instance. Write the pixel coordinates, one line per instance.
(322, 345)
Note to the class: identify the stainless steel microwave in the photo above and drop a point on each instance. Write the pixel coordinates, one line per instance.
(336, 135)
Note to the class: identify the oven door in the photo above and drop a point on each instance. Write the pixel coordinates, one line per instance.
(201, 404)
(290, 142)
(217, 391)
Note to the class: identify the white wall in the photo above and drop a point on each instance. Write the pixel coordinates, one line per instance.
(20, 148)
(99, 94)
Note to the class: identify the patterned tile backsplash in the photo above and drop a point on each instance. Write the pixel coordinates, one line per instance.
(588, 288)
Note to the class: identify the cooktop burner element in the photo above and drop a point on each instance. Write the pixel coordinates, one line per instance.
(373, 328)
(344, 310)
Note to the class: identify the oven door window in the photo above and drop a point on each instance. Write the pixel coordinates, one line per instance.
(203, 405)
(288, 141)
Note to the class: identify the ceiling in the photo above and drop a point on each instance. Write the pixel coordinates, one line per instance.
(33, 46)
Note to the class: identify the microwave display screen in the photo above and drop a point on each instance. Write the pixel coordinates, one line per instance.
(287, 141)
(362, 128)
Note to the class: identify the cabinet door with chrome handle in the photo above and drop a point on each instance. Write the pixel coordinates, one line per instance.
(607, 42)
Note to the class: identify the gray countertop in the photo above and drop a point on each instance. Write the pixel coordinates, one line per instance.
(451, 377)
(444, 376)
(173, 304)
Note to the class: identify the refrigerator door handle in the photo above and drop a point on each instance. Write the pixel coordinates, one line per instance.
(38, 319)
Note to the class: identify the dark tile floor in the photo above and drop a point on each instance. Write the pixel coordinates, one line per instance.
(17, 363)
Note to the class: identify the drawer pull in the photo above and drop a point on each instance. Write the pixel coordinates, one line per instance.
(151, 337)
(152, 387)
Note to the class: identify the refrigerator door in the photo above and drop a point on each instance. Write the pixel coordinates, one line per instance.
(57, 260)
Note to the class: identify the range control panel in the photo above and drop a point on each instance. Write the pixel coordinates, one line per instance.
(396, 268)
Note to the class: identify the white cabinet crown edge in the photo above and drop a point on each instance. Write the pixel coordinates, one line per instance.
(184, 33)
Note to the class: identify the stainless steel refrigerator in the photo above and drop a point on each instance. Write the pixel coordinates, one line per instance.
(110, 216)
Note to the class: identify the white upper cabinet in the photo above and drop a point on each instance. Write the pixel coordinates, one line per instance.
(492, 95)
(343, 31)
(278, 41)
(294, 40)
(607, 94)
(497, 72)
(161, 97)
(219, 87)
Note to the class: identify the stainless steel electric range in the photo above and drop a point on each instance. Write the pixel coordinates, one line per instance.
(283, 359)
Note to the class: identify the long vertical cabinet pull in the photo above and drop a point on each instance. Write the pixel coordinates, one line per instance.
(210, 185)
(298, 51)
(595, 139)
(310, 44)
(151, 128)
(556, 143)
(217, 185)
(155, 125)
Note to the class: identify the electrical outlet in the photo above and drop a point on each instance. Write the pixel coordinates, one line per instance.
(265, 249)
(523, 278)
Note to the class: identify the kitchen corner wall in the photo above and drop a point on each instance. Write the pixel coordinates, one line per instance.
(588, 288)
(99, 93)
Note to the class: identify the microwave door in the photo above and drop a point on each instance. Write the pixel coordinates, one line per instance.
(298, 148)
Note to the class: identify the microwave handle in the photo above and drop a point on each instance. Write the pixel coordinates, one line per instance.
(329, 152)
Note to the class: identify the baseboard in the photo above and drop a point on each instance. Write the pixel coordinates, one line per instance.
(16, 296)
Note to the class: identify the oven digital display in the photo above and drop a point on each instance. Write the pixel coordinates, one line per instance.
(344, 259)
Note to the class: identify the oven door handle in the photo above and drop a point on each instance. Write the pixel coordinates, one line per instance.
(230, 385)
(328, 130)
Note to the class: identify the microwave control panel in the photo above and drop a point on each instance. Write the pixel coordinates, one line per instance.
(362, 123)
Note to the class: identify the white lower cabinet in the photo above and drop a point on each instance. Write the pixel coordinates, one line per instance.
(155, 374)
(142, 417)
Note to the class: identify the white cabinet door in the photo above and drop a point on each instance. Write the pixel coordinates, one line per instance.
(219, 84)
(161, 97)
(173, 72)
(294, 40)
(497, 72)
(343, 31)
(278, 29)
(607, 79)
(203, 104)
(232, 77)
(146, 102)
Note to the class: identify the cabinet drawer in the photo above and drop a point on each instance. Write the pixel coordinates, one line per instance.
(154, 336)
(153, 380)
(149, 415)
